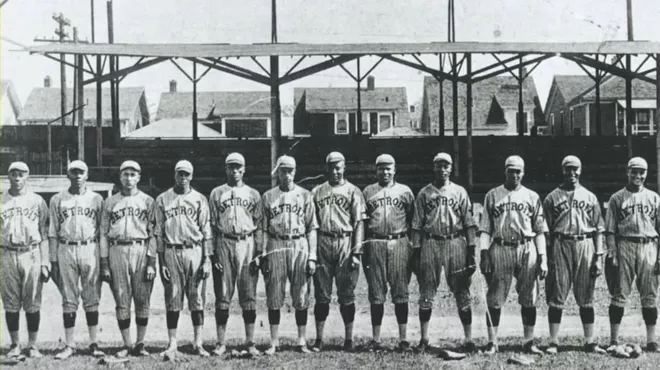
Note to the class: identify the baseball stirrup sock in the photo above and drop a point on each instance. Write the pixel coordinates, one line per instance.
(92, 318)
(13, 319)
(222, 316)
(321, 311)
(401, 313)
(33, 320)
(142, 321)
(465, 316)
(124, 324)
(172, 319)
(616, 314)
(587, 315)
(274, 317)
(197, 318)
(650, 315)
(69, 320)
(493, 317)
(377, 311)
(425, 315)
(554, 315)
(347, 313)
(528, 316)
(301, 317)
(249, 316)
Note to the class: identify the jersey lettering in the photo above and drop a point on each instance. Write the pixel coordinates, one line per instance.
(526, 209)
(440, 200)
(385, 201)
(182, 210)
(30, 214)
(630, 210)
(77, 211)
(294, 209)
(237, 202)
(117, 215)
(334, 199)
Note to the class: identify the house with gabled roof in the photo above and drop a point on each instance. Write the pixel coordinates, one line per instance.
(494, 107)
(330, 111)
(564, 88)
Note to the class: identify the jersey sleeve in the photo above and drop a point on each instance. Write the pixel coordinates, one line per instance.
(409, 199)
(486, 225)
(311, 222)
(54, 226)
(610, 215)
(467, 210)
(204, 220)
(151, 227)
(657, 214)
(258, 214)
(359, 209)
(104, 228)
(419, 218)
(44, 217)
(159, 217)
(213, 209)
(597, 218)
(264, 211)
(547, 210)
(539, 226)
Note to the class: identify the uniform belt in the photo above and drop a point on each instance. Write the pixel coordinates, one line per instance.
(512, 243)
(181, 246)
(82, 242)
(338, 235)
(638, 239)
(236, 237)
(20, 248)
(390, 236)
(446, 237)
(128, 242)
(575, 237)
(286, 237)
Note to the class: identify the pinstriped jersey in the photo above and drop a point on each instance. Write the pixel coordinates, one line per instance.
(289, 212)
(512, 214)
(389, 208)
(338, 208)
(24, 219)
(182, 218)
(126, 218)
(75, 217)
(235, 210)
(573, 212)
(633, 214)
(442, 211)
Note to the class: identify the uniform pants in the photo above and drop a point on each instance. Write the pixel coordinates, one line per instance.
(21, 280)
(128, 265)
(334, 263)
(387, 262)
(287, 260)
(571, 265)
(513, 262)
(79, 264)
(184, 268)
(450, 255)
(636, 261)
(235, 257)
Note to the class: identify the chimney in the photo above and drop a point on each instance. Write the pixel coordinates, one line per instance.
(371, 83)
(412, 109)
(172, 86)
(47, 81)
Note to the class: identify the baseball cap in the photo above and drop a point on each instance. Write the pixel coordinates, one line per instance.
(236, 158)
(638, 162)
(130, 164)
(18, 166)
(571, 160)
(442, 157)
(515, 161)
(183, 166)
(286, 161)
(77, 165)
(385, 159)
(334, 157)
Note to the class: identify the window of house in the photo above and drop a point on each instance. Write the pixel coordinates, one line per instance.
(341, 123)
(384, 121)
(366, 127)
(642, 124)
(552, 121)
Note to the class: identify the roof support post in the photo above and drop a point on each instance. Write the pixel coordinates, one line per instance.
(357, 130)
(599, 119)
(521, 107)
(468, 124)
(195, 133)
(276, 124)
(80, 103)
(656, 121)
(441, 113)
(99, 114)
(630, 114)
(454, 88)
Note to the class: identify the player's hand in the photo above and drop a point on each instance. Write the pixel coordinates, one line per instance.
(656, 268)
(596, 267)
(204, 270)
(105, 270)
(355, 262)
(486, 266)
(254, 265)
(471, 261)
(265, 265)
(150, 273)
(165, 274)
(45, 274)
(613, 259)
(311, 268)
(216, 264)
(543, 267)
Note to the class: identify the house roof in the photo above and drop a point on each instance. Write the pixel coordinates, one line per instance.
(400, 131)
(43, 104)
(501, 89)
(342, 98)
(615, 88)
(572, 85)
(8, 89)
(173, 129)
(214, 103)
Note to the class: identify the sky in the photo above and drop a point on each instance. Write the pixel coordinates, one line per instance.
(313, 21)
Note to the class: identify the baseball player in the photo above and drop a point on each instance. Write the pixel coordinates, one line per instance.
(444, 238)
(128, 255)
(75, 215)
(25, 262)
(184, 241)
(388, 251)
(236, 217)
(513, 218)
(632, 226)
(288, 250)
(340, 211)
(575, 251)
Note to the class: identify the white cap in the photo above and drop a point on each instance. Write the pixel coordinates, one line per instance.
(236, 158)
(638, 162)
(334, 157)
(571, 160)
(385, 159)
(77, 165)
(18, 166)
(442, 157)
(183, 166)
(286, 161)
(515, 161)
(130, 164)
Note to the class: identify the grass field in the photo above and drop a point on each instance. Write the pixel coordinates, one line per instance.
(446, 332)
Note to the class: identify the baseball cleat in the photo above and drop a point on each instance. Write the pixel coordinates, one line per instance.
(404, 346)
(532, 349)
(123, 353)
(552, 349)
(653, 347)
(448, 355)
(491, 349)
(348, 345)
(422, 346)
(95, 351)
(200, 351)
(139, 350)
(302, 348)
(469, 347)
(271, 350)
(14, 350)
(594, 348)
(253, 351)
(375, 346)
(169, 354)
(33, 352)
(612, 346)
(219, 350)
(65, 353)
(318, 345)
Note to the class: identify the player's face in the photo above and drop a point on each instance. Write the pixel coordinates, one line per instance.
(129, 178)
(286, 175)
(182, 178)
(235, 172)
(336, 171)
(442, 170)
(385, 173)
(17, 179)
(514, 176)
(77, 177)
(636, 176)
(571, 174)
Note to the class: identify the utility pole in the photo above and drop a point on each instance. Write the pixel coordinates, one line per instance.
(80, 99)
(630, 115)
(99, 98)
(276, 126)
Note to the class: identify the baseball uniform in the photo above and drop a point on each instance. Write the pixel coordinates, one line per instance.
(183, 225)
(24, 225)
(388, 249)
(236, 214)
(573, 218)
(127, 224)
(288, 217)
(513, 218)
(443, 216)
(338, 209)
(633, 219)
(74, 223)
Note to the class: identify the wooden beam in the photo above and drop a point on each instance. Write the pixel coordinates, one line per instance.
(608, 68)
(371, 69)
(125, 71)
(182, 70)
(432, 71)
(494, 65)
(295, 65)
(261, 66)
(496, 73)
(241, 69)
(333, 62)
(261, 79)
